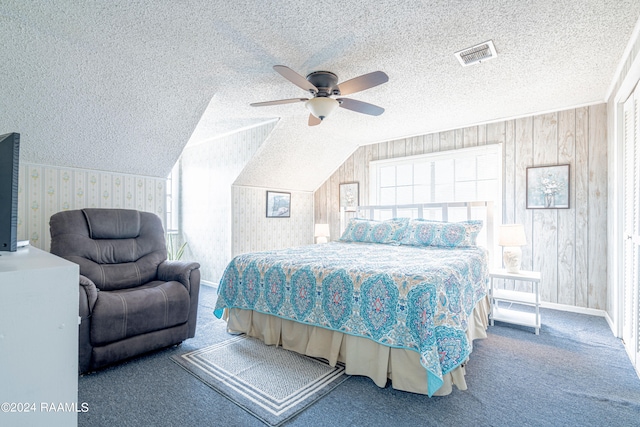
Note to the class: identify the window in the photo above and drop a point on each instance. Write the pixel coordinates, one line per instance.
(469, 174)
(465, 175)
(173, 197)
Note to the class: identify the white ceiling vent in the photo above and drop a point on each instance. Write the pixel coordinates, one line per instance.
(478, 53)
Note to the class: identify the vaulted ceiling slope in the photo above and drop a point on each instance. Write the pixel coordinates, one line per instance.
(123, 85)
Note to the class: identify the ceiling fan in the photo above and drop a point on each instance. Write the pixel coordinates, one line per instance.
(323, 85)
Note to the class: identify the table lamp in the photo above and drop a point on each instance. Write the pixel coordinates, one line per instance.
(322, 233)
(511, 238)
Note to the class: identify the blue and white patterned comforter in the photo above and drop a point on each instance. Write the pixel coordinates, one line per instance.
(417, 298)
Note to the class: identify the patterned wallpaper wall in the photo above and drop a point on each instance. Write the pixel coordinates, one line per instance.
(253, 231)
(45, 190)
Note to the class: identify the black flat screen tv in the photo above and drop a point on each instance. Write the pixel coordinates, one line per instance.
(9, 156)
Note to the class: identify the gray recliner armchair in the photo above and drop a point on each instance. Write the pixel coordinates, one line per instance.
(132, 300)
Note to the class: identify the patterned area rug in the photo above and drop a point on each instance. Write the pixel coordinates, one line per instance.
(271, 383)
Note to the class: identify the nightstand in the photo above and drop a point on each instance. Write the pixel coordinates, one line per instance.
(532, 299)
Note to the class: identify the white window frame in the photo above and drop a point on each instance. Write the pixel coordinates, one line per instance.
(376, 166)
(173, 200)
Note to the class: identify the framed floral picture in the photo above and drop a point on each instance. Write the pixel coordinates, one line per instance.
(278, 204)
(349, 197)
(548, 187)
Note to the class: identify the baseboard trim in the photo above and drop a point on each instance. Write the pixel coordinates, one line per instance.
(582, 310)
(574, 309)
(612, 324)
(208, 283)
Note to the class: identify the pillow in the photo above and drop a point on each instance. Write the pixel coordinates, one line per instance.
(371, 231)
(423, 232)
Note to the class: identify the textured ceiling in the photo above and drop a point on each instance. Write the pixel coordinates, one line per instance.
(124, 85)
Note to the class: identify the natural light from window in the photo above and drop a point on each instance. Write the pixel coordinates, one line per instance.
(465, 175)
(172, 207)
(470, 174)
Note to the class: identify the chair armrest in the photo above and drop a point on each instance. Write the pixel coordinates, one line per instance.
(88, 296)
(180, 271)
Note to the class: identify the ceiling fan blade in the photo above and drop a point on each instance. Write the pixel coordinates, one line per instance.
(360, 107)
(313, 120)
(363, 82)
(278, 102)
(295, 78)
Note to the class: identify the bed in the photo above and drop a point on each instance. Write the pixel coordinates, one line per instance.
(398, 299)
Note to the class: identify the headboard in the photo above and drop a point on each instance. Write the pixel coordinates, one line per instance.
(445, 211)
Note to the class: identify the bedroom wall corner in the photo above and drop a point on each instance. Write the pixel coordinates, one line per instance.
(207, 172)
(253, 231)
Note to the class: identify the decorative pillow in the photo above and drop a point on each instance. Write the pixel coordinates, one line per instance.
(371, 231)
(423, 232)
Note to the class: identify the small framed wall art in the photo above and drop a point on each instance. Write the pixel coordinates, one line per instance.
(548, 187)
(278, 204)
(349, 197)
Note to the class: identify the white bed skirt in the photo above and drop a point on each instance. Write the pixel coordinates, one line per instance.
(361, 356)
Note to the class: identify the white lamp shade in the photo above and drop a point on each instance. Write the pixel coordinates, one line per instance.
(321, 233)
(322, 230)
(321, 106)
(512, 235)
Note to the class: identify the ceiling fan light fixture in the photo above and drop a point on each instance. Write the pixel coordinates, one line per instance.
(322, 85)
(321, 106)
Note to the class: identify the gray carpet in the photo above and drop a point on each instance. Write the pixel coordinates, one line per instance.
(575, 373)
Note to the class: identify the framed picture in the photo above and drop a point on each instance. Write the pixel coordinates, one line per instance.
(548, 187)
(349, 197)
(278, 204)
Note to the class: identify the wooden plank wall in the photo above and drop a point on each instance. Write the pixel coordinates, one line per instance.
(568, 246)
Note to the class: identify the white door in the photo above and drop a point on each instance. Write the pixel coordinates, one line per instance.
(631, 285)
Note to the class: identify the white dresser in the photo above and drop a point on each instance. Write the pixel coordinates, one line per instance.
(38, 339)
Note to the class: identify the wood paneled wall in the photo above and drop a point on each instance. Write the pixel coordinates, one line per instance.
(568, 246)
